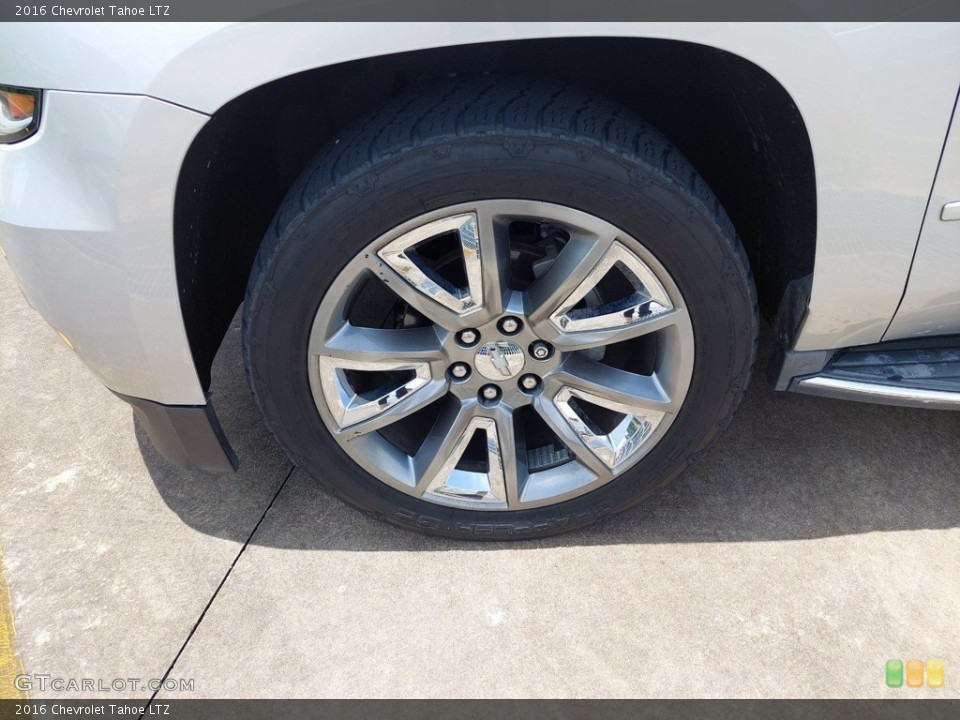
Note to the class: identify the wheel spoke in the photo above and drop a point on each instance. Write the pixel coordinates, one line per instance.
(435, 464)
(626, 325)
(407, 352)
(357, 413)
(441, 443)
(571, 269)
(647, 309)
(569, 435)
(511, 452)
(469, 234)
(429, 288)
(611, 448)
(394, 405)
(494, 240)
(391, 347)
(636, 393)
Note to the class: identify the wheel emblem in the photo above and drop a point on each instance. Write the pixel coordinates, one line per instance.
(499, 360)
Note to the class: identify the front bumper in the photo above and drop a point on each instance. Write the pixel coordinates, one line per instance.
(86, 224)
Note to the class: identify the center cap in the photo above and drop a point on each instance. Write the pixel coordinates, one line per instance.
(499, 360)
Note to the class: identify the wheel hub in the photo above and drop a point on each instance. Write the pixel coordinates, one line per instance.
(499, 360)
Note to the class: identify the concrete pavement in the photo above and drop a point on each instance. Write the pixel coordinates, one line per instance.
(816, 541)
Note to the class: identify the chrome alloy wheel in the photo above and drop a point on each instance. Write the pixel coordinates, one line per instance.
(500, 355)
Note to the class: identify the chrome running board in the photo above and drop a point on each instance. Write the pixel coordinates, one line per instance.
(923, 373)
(826, 386)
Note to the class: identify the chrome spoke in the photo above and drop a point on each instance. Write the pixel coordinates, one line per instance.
(400, 256)
(616, 254)
(441, 442)
(361, 413)
(423, 303)
(626, 327)
(435, 464)
(370, 350)
(618, 444)
(639, 393)
(396, 347)
(395, 405)
(574, 441)
(572, 327)
(573, 266)
(469, 234)
(512, 455)
(494, 260)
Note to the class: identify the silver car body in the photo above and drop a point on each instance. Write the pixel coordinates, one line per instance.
(87, 204)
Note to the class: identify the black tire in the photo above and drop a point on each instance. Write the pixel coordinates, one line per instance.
(478, 138)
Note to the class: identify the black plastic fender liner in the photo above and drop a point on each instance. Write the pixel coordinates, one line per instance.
(787, 363)
(187, 435)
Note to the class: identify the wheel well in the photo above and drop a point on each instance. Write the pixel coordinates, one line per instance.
(736, 124)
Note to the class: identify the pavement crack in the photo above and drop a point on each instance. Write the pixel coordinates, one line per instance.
(217, 590)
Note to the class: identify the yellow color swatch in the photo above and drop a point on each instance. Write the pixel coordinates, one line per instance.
(935, 673)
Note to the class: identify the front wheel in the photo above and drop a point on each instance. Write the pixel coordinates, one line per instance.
(499, 309)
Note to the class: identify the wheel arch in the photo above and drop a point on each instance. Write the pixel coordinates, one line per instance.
(736, 123)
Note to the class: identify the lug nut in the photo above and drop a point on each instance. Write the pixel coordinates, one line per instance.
(509, 325)
(468, 337)
(529, 382)
(460, 370)
(541, 350)
(489, 392)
